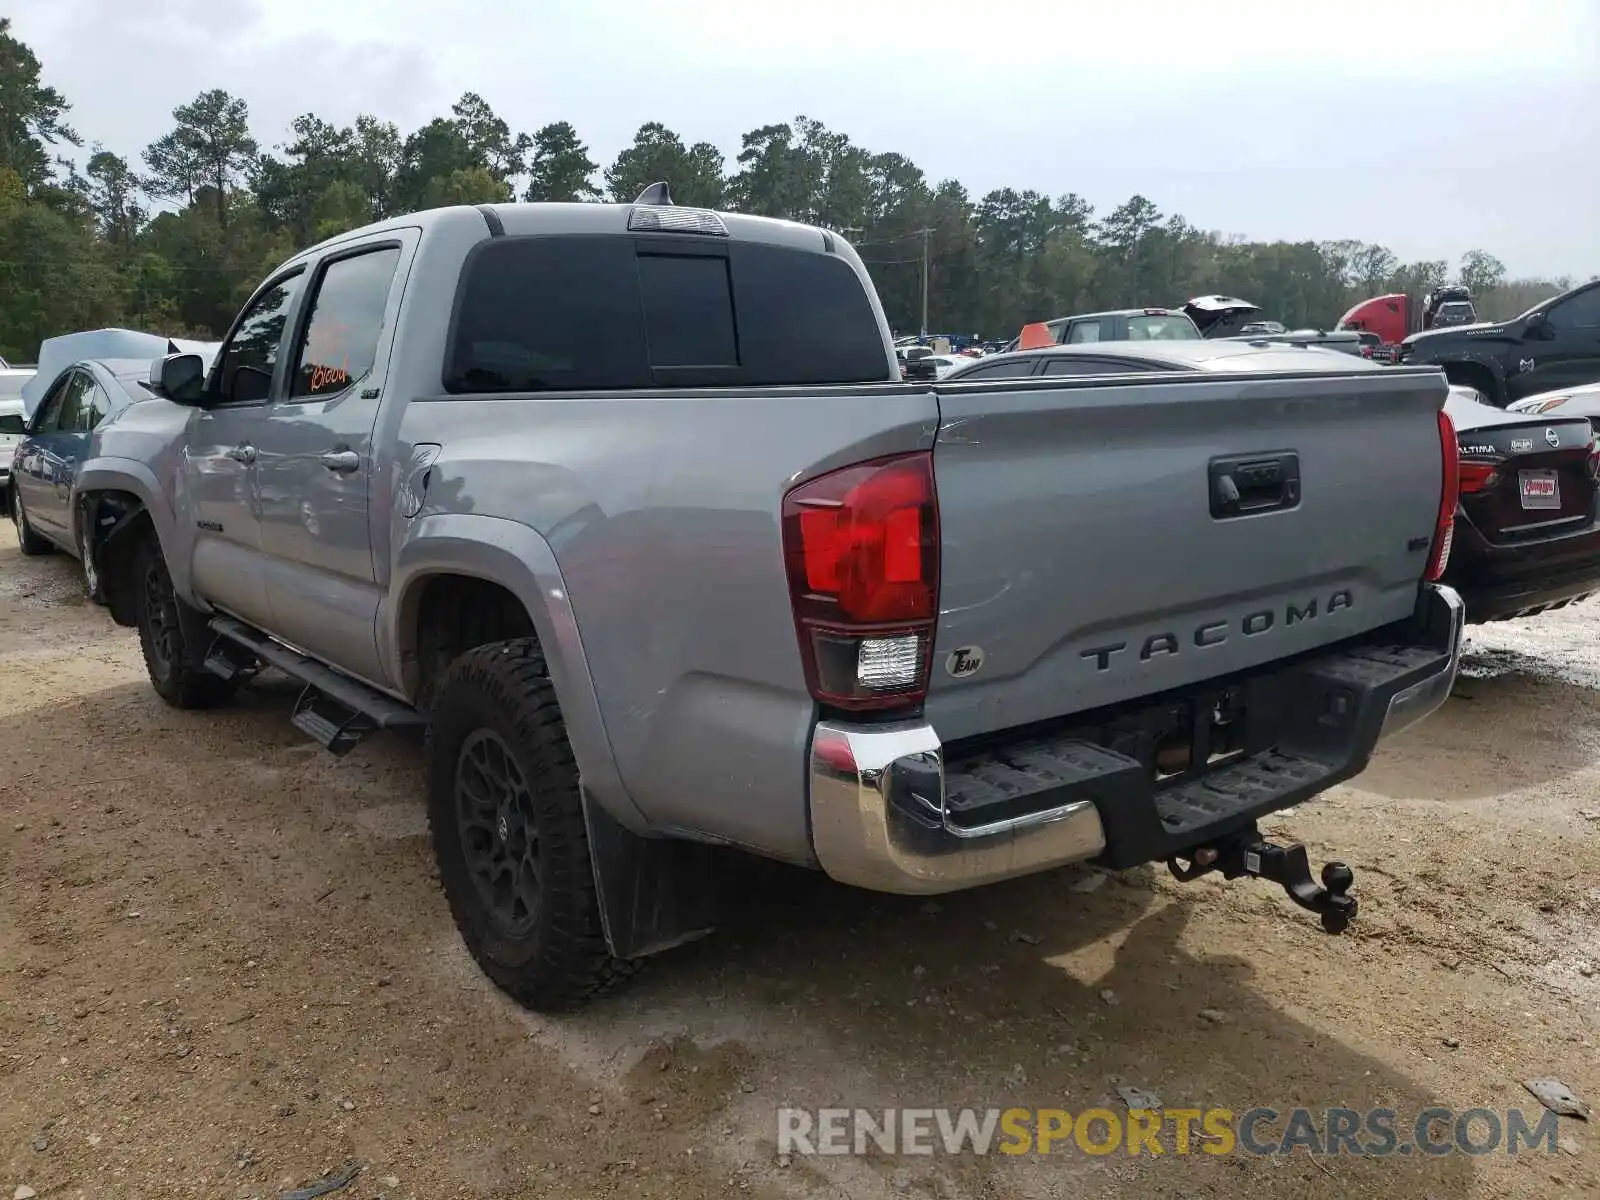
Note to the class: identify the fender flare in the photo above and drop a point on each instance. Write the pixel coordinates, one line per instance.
(1491, 364)
(112, 474)
(516, 557)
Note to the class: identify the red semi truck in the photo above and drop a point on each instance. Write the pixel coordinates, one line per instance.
(1396, 316)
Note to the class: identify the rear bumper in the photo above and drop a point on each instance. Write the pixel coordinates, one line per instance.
(1497, 581)
(892, 810)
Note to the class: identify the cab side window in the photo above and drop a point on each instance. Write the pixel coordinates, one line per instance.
(340, 344)
(1085, 331)
(245, 365)
(1580, 312)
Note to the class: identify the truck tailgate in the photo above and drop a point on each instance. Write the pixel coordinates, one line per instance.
(1091, 554)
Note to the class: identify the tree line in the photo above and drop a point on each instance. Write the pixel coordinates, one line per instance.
(174, 239)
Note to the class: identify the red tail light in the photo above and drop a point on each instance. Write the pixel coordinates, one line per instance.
(862, 549)
(1449, 496)
(1478, 477)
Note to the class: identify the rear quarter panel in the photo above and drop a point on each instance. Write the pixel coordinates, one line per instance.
(663, 512)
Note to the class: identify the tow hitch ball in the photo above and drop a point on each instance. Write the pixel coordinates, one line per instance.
(1284, 865)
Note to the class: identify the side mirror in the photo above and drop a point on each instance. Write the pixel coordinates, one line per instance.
(1538, 325)
(922, 369)
(181, 378)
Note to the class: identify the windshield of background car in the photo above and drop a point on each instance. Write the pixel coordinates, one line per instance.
(1167, 328)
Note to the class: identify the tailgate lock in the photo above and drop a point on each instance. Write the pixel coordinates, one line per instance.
(1244, 485)
(1249, 854)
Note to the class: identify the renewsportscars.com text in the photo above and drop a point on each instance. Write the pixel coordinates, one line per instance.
(1370, 1133)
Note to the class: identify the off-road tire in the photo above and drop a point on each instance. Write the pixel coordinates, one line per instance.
(501, 695)
(177, 668)
(30, 542)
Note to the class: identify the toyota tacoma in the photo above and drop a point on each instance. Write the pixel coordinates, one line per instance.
(627, 508)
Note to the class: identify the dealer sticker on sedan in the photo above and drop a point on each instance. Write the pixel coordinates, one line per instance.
(1540, 489)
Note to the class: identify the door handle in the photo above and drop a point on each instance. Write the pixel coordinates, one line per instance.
(342, 461)
(242, 453)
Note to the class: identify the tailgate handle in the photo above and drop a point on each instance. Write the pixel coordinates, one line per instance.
(1257, 483)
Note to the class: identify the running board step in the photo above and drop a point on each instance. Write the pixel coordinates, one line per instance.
(330, 724)
(333, 709)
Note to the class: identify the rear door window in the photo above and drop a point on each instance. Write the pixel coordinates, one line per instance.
(609, 312)
(340, 343)
(92, 407)
(1085, 331)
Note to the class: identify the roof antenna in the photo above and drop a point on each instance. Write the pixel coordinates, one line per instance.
(656, 193)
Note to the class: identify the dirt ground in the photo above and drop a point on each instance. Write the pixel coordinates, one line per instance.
(226, 970)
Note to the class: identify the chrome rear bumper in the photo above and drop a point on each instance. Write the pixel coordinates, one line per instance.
(879, 821)
(880, 818)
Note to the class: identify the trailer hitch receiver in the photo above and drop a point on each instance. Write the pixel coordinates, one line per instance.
(1251, 855)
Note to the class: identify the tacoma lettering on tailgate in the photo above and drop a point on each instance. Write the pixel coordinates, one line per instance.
(1215, 633)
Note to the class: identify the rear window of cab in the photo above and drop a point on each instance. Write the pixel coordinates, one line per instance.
(603, 312)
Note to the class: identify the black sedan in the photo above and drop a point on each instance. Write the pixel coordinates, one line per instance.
(1526, 534)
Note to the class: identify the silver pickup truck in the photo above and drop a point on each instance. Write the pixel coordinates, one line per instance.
(627, 507)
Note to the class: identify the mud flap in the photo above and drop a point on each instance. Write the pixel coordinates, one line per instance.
(112, 544)
(654, 893)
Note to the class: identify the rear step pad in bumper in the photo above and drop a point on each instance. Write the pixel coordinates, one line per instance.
(1311, 725)
(334, 710)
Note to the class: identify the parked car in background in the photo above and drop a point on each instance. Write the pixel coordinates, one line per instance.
(1526, 534)
(1223, 316)
(1396, 315)
(1555, 344)
(12, 419)
(1582, 401)
(66, 430)
(58, 353)
(1456, 312)
(1222, 355)
(510, 425)
(944, 364)
(1124, 325)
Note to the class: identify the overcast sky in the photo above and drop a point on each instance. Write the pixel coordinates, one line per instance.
(1432, 127)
